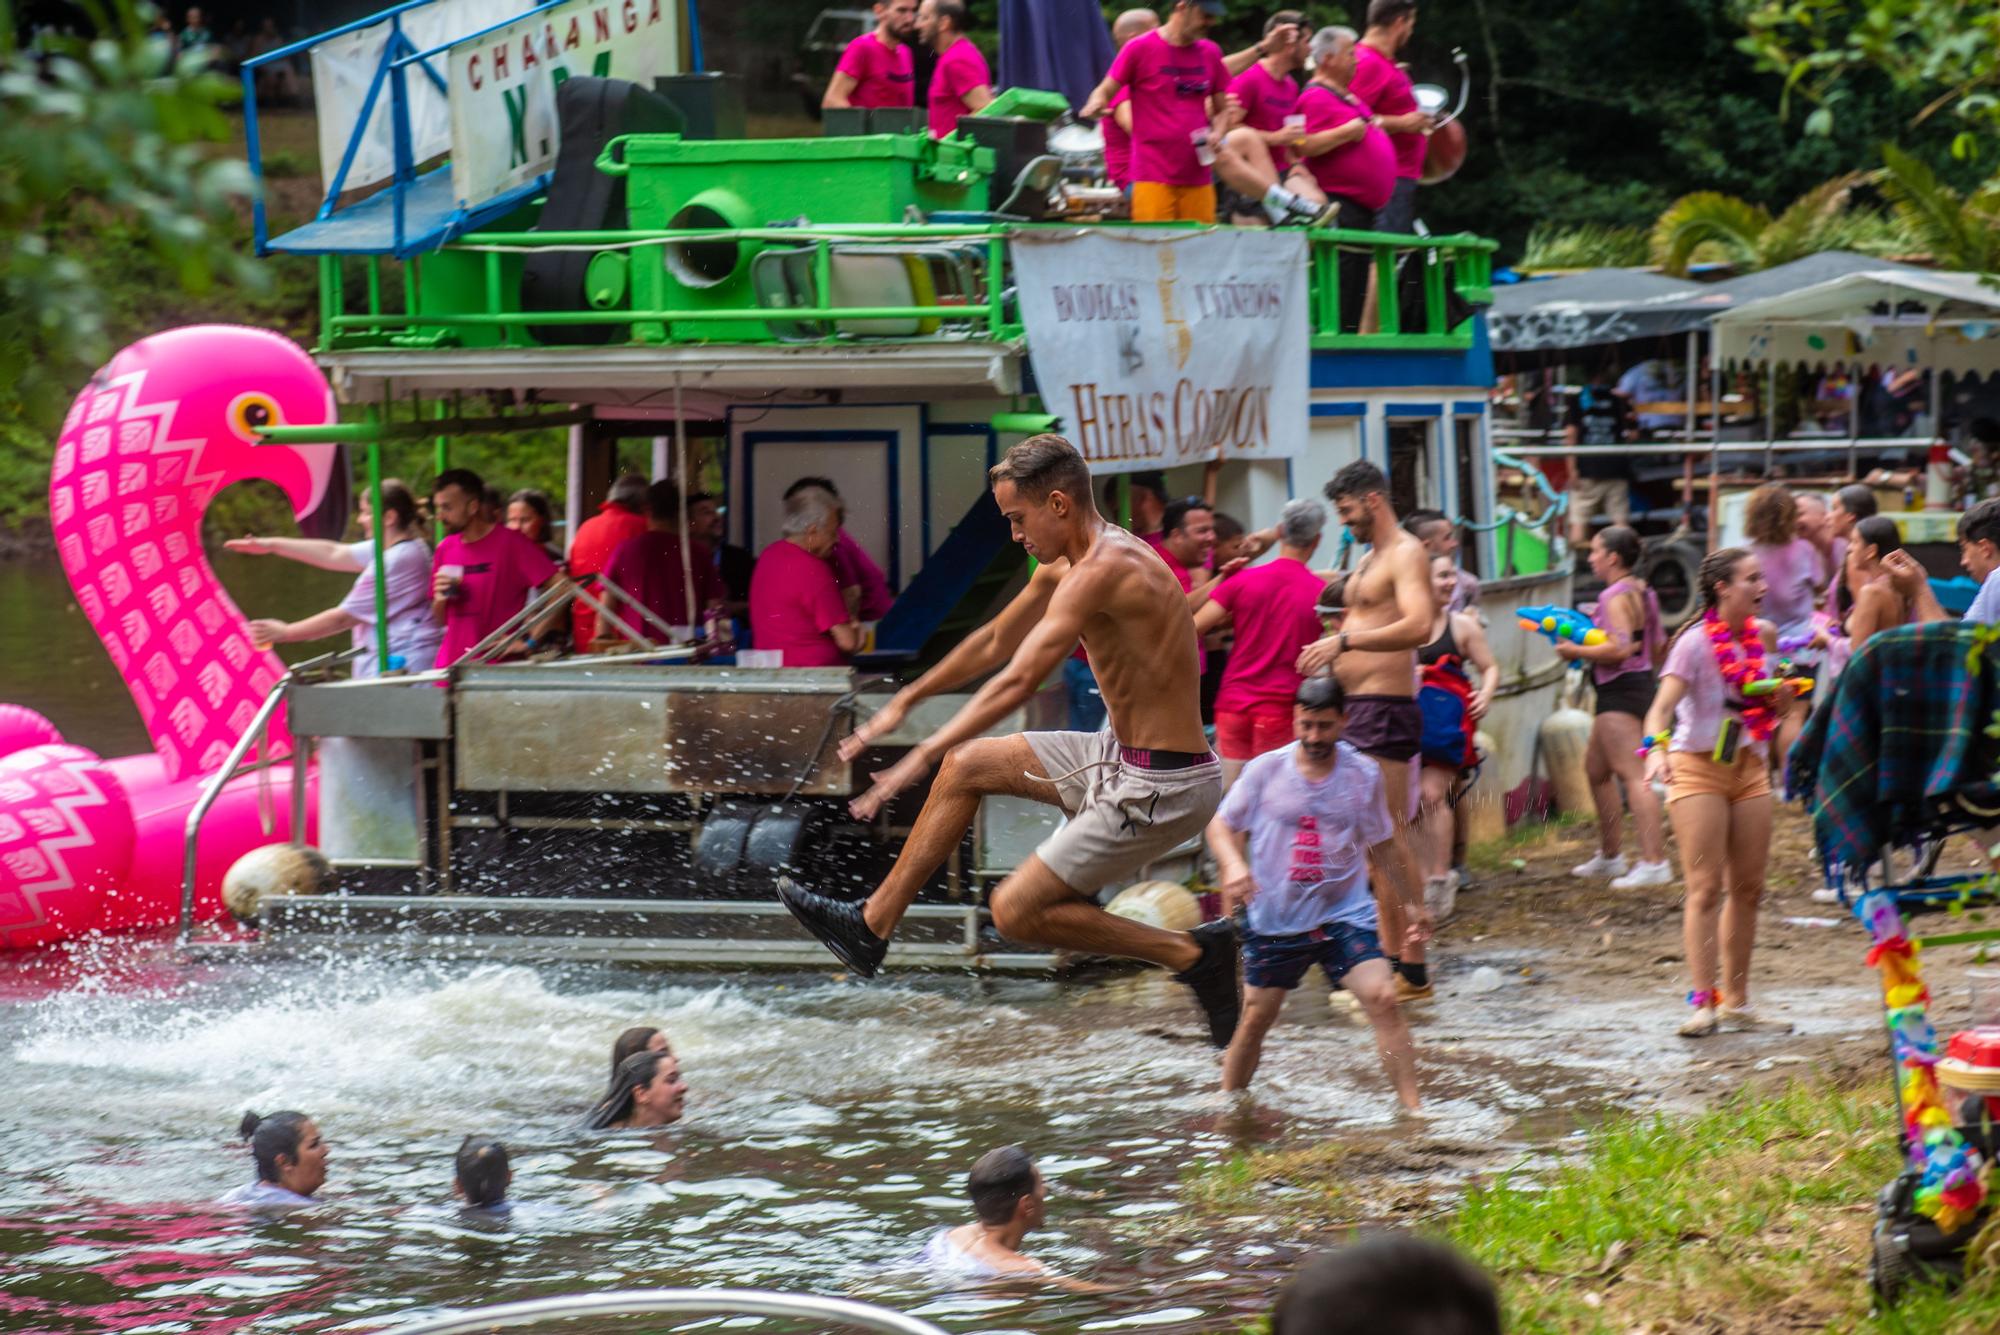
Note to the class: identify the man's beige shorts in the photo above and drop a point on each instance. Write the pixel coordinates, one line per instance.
(1120, 816)
(1607, 496)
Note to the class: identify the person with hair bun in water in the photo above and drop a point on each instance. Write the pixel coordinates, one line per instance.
(646, 1091)
(1718, 780)
(481, 1175)
(290, 1155)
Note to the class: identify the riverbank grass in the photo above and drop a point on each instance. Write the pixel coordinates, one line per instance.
(1752, 1217)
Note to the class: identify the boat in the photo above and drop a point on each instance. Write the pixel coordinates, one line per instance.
(883, 309)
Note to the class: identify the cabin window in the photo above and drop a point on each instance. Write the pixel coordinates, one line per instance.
(1411, 483)
(1470, 495)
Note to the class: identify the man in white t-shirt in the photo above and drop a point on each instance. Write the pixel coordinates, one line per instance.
(1292, 841)
(1978, 553)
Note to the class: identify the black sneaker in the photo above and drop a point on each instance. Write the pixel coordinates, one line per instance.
(838, 924)
(1214, 980)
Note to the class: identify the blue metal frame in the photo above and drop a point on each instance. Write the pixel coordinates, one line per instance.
(398, 55)
(893, 440)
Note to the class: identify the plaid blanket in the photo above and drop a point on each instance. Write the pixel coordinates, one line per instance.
(1905, 729)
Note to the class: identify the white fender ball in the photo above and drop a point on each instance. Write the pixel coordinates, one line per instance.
(274, 869)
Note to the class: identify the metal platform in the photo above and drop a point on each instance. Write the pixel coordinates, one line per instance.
(716, 933)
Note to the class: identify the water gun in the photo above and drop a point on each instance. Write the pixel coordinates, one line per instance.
(1561, 623)
(1771, 686)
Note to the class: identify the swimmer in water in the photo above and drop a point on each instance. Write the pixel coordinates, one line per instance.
(646, 1091)
(481, 1175)
(1008, 1197)
(290, 1155)
(639, 1038)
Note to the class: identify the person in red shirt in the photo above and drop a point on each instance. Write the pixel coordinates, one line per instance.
(620, 517)
(961, 84)
(795, 605)
(1274, 610)
(1381, 83)
(1181, 109)
(877, 69)
(649, 568)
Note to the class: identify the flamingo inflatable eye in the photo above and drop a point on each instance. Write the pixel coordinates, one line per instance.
(251, 412)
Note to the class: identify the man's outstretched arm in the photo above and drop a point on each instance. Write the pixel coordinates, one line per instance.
(1046, 644)
(976, 655)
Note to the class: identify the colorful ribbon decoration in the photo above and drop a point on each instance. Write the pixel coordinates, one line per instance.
(1952, 1185)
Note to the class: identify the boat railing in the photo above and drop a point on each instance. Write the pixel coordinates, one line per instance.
(235, 766)
(674, 1302)
(468, 292)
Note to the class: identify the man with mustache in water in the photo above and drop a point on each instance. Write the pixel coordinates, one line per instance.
(1131, 793)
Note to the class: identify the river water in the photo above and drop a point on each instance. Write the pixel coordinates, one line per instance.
(829, 1128)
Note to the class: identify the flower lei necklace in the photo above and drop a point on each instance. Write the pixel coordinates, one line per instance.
(1739, 669)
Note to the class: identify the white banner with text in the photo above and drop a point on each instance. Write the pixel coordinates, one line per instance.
(504, 130)
(1164, 349)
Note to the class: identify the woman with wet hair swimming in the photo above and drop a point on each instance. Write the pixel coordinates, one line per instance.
(481, 1175)
(639, 1038)
(646, 1091)
(290, 1155)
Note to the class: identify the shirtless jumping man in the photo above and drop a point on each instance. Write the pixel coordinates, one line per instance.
(1131, 793)
(1374, 656)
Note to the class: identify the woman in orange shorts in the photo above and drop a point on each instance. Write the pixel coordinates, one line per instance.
(1718, 782)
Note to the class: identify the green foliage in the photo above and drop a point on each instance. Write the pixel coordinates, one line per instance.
(1588, 246)
(1945, 52)
(104, 134)
(1709, 226)
(1958, 232)
(1708, 218)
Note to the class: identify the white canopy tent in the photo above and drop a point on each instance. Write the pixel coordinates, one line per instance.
(1914, 318)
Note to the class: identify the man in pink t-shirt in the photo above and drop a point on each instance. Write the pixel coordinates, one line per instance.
(795, 605)
(1273, 608)
(1258, 157)
(876, 69)
(1180, 111)
(1117, 122)
(961, 84)
(1380, 83)
(1350, 159)
(483, 573)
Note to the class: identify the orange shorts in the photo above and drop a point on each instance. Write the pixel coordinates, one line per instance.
(1155, 201)
(1691, 774)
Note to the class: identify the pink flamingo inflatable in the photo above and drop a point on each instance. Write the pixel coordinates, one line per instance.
(88, 844)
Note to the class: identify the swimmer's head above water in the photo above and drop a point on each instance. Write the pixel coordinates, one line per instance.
(1006, 1188)
(646, 1090)
(288, 1149)
(639, 1038)
(481, 1174)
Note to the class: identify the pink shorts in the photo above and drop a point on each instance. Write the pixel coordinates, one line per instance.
(1248, 733)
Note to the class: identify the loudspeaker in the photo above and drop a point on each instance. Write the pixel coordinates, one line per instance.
(711, 104)
(592, 112)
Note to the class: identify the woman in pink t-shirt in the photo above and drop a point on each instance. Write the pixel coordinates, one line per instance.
(795, 605)
(1718, 782)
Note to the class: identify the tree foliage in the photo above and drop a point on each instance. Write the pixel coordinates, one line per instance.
(102, 134)
(1605, 112)
(1944, 52)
